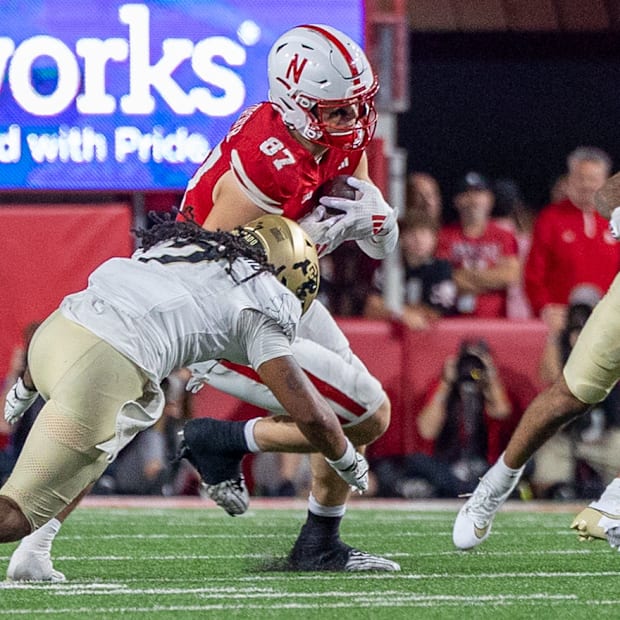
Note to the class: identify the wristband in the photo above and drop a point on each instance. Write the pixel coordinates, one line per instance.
(379, 246)
(346, 459)
(21, 391)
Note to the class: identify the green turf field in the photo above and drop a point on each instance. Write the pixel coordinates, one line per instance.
(198, 562)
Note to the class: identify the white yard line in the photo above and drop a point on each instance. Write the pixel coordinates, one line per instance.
(264, 503)
(319, 602)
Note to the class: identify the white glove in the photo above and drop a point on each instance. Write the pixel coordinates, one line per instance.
(365, 217)
(200, 376)
(321, 230)
(18, 401)
(614, 224)
(352, 467)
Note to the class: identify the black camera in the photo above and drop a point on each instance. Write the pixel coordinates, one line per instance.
(470, 367)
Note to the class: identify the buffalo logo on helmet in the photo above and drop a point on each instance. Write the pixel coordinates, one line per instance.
(291, 252)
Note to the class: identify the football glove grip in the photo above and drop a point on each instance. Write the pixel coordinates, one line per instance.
(369, 219)
(18, 401)
(352, 467)
(322, 230)
(614, 224)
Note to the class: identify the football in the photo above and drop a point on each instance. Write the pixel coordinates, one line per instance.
(339, 188)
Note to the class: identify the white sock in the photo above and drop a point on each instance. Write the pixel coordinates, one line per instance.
(325, 511)
(248, 432)
(43, 538)
(502, 477)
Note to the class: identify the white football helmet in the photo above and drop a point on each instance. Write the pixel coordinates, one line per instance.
(316, 67)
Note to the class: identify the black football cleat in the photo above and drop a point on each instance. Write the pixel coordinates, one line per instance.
(205, 444)
(339, 558)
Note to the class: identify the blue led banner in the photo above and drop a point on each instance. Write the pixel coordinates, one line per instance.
(110, 95)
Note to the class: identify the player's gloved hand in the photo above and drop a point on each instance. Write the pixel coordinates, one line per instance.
(352, 467)
(369, 220)
(320, 227)
(18, 401)
(200, 376)
(614, 224)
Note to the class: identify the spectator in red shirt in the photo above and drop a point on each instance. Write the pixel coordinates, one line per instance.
(484, 257)
(571, 243)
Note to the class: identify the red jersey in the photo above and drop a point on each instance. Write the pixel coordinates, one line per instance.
(274, 170)
(569, 247)
(478, 253)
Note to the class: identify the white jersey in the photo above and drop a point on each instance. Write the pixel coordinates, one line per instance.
(170, 306)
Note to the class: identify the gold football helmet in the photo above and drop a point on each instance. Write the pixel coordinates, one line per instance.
(290, 251)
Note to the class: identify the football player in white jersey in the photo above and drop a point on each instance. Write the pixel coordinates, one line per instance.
(275, 158)
(186, 296)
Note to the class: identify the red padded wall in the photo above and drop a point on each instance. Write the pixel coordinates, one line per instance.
(47, 252)
(516, 347)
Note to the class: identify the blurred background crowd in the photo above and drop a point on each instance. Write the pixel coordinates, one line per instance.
(487, 234)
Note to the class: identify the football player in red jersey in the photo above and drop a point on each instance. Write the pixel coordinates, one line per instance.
(274, 159)
(276, 156)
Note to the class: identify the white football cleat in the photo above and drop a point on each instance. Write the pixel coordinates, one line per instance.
(231, 495)
(32, 565)
(474, 520)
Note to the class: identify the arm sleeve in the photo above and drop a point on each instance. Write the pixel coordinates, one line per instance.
(261, 337)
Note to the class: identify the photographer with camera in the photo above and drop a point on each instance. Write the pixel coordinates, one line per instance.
(459, 421)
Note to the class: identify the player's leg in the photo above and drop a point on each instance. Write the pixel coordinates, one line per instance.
(356, 397)
(13, 522)
(599, 341)
(547, 412)
(319, 546)
(592, 369)
(361, 403)
(216, 448)
(71, 369)
(32, 559)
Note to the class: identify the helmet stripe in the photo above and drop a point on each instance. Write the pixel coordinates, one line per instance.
(338, 44)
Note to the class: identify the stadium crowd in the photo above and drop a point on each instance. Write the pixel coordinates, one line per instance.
(491, 255)
(488, 256)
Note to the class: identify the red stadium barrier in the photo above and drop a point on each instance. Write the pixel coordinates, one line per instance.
(516, 347)
(48, 251)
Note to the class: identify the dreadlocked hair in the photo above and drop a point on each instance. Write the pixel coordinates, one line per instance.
(218, 245)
